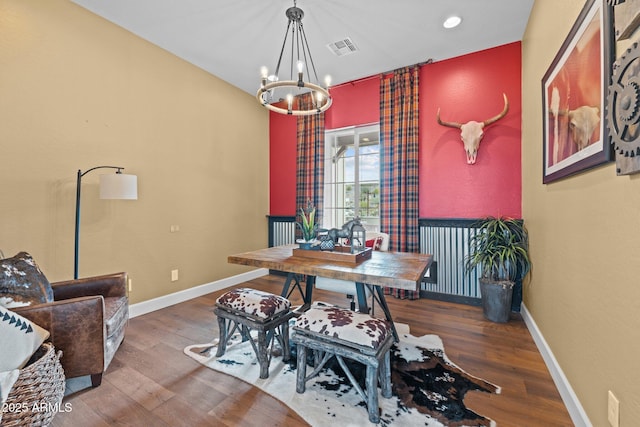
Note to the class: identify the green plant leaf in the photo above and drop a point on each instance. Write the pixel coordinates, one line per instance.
(307, 225)
(499, 246)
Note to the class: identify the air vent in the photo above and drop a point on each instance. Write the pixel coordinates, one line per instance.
(343, 47)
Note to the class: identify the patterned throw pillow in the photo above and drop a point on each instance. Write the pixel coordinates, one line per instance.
(25, 338)
(22, 283)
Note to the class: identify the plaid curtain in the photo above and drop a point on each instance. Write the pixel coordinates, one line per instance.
(310, 160)
(399, 164)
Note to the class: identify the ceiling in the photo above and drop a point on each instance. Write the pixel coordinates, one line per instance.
(232, 39)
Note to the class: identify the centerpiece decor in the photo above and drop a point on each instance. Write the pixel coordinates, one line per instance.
(353, 232)
(308, 227)
(358, 238)
(339, 253)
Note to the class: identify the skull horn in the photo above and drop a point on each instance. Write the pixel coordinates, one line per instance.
(449, 124)
(502, 113)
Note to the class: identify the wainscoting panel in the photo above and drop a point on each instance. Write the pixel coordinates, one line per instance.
(282, 230)
(448, 241)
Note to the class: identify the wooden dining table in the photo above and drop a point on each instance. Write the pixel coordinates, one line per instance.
(400, 270)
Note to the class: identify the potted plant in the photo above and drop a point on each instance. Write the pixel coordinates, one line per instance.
(500, 247)
(308, 226)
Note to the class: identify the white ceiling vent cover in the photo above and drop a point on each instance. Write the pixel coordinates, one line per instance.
(343, 47)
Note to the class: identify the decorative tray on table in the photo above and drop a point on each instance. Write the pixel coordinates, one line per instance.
(339, 253)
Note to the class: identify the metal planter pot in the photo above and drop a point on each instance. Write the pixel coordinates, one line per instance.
(496, 299)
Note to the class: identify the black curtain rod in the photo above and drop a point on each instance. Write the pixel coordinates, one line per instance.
(379, 75)
(419, 64)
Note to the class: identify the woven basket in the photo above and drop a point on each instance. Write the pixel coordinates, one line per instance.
(37, 394)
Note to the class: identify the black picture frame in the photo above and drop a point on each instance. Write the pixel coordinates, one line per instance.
(576, 84)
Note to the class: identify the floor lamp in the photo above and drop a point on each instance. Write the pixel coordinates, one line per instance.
(112, 186)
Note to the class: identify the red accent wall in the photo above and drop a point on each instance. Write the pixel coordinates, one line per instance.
(466, 88)
(355, 103)
(282, 164)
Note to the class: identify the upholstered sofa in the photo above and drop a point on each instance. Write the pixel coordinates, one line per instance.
(86, 318)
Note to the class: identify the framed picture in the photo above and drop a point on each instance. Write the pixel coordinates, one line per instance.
(574, 92)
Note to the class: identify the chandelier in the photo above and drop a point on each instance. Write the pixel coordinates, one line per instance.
(283, 96)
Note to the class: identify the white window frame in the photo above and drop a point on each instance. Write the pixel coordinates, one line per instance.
(331, 187)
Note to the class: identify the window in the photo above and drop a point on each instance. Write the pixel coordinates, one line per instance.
(352, 177)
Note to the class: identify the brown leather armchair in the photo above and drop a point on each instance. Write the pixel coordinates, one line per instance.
(86, 320)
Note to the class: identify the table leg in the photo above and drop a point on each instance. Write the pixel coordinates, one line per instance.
(307, 294)
(311, 280)
(287, 283)
(362, 298)
(387, 314)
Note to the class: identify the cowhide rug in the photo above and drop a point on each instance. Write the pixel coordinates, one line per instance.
(428, 389)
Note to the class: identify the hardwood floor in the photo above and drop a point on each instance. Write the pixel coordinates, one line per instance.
(151, 382)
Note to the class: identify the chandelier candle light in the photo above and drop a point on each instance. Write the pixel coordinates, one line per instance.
(271, 87)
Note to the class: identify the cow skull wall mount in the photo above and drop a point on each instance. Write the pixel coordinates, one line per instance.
(472, 132)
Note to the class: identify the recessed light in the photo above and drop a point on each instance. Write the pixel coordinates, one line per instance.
(452, 21)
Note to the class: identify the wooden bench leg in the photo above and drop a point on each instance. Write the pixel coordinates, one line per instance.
(263, 354)
(222, 343)
(301, 372)
(284, 335)
(246, 335)
(372, 393)
(385, 376)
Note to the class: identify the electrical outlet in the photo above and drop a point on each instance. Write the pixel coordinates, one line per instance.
(130, 285)
(174, 275)
(174, 228)
(613, 411)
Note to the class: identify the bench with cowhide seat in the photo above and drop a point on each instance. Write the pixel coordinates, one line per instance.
(333, 331)
(246, 310)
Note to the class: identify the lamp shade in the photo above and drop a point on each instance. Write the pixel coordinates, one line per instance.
(119, 186)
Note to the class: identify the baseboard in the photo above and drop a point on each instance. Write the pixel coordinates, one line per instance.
(145, 307)
(458, 299)
(575, 409)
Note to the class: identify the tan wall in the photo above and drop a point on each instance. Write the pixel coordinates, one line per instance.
(77, 91)
(585, 245)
